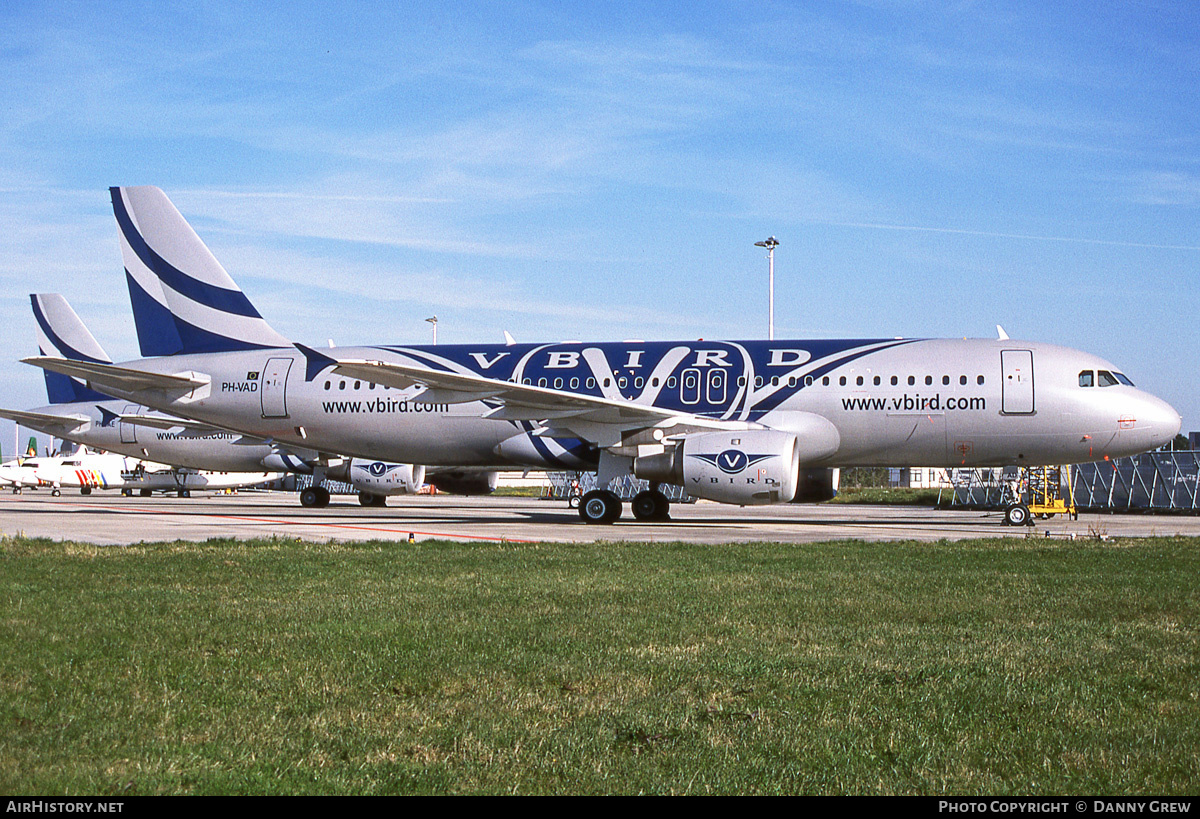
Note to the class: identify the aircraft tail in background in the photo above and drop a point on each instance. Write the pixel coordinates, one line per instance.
(63, 334)
(183, 300)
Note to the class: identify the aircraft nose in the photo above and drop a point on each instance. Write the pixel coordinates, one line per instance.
(1152, 422)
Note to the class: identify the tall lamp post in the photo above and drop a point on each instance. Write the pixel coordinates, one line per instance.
(433, 321)
(770, 244)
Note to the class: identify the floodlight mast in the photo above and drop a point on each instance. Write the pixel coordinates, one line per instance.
(770, 244)
(433, 321)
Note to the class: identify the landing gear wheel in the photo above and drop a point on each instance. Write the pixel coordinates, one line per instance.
(369, 499)
(85, 490)
(315, 497)
(54, 493)
(145, 493)
(1017, 515)
(651, 505)
(184, 493)
(600, 506)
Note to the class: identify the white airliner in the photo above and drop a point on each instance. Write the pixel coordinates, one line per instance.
(85, 470)
(79, 414)
(12, 474)
(742, 422)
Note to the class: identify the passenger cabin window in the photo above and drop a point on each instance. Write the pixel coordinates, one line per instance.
(689, 389)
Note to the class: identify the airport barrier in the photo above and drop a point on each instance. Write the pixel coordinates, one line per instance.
(1151, 482)
(1154, 481)
(298, 483)
(565, 485)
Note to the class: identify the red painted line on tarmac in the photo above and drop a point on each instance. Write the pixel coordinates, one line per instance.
(246, 518)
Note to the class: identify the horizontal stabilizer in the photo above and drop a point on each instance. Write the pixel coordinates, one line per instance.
(48, 423)
(111, 376)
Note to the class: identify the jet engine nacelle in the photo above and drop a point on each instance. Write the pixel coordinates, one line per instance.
(749, 468)
(817, 485)
(464, 482)
(382, 478)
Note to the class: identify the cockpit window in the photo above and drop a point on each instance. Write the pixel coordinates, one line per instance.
(1087, 378)
(1123, 379)
(1105, 378)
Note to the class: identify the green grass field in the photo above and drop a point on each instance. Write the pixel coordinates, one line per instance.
(984, 667)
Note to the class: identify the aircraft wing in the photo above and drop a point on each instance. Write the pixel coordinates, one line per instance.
(125, 379)
(595, 418)
(56, 425)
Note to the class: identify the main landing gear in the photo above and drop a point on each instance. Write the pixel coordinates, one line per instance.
(603, 506)
(314, 497)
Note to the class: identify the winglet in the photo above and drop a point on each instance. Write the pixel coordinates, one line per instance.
(1003, 335)
(316, 361)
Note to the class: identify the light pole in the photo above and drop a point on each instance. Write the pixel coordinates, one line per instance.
(770, 244)
(433, 321)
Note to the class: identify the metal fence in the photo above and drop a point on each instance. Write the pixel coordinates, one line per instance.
(564, 485)
(296, 483)
(1152, 482)
(1155, 481)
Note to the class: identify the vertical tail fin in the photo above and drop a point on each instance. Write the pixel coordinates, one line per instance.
(31, 450)
(61, 332)
(183, 300)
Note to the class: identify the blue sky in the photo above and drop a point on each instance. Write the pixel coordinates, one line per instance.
(602, 171)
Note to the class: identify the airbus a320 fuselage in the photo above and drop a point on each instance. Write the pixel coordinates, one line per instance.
(746, 422)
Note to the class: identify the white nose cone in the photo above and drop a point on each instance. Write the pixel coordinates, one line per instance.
(1149, 423)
